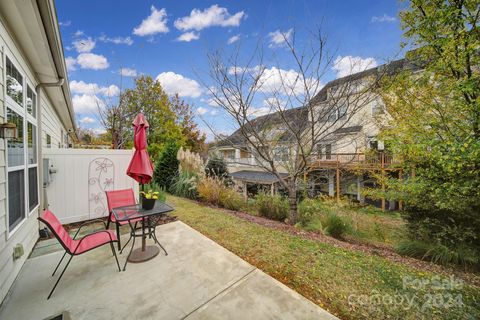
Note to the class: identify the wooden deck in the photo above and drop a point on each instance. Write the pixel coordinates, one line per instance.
(354, 161)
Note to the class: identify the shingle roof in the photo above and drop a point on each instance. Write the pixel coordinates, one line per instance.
(380, 71)
(299, 116)
(256, 176)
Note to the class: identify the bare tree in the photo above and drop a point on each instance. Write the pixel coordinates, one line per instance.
(302, 113)
(115, 118)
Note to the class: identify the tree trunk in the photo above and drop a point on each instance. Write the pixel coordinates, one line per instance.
(292, 201)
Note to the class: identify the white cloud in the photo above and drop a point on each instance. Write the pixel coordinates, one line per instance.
(128, 72)
(258, 112)
(233, 39)
(80, 87)
(278, 38)
(65, 23)
(213, 16)
(71, 63)
(110, 91)
(214, 112)
(347, 65)
(84, 45)
(116, 40)
(201, 111)
(78, 33)
(282, 81)
(384, 18)
(86, 120)
(211, 102)
(87, 103)
(155, 23)
(176, 83)
(189, 36)
(99, 130)
(92, 61)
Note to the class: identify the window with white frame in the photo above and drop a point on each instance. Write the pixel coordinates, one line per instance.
(22, 162)
(342, 111)
(281, 153)
(377, 109)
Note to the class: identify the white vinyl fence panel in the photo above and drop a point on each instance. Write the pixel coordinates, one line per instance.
(76, 190)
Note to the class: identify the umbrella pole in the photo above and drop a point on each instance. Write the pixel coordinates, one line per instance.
(144, 237)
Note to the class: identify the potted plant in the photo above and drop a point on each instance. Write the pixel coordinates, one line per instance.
(148, 199)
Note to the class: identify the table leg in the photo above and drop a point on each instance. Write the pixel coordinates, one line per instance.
(146, 252)
(144, 240)
(131, 249)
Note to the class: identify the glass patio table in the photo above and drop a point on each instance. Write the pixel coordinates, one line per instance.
(135, 214)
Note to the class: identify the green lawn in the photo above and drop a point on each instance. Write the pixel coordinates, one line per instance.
(368, 225)
(330, 276)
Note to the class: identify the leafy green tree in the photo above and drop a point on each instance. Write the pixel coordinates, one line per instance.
(149, 97)
(435, 125)
(166, 166)
(194, 139)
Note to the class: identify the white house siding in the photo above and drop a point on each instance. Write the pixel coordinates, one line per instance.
(52, 126)
(26, 233)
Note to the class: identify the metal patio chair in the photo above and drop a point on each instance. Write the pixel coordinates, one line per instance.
(115, 199)
(75, 246)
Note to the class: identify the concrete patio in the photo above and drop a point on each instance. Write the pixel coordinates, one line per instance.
(199, 279)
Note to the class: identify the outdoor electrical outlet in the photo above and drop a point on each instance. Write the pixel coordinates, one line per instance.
(18, 251)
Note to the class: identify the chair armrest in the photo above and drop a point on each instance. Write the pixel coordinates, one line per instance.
(86, 223)
(90, 234)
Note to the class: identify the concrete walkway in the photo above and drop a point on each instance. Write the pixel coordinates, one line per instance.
(199, 279)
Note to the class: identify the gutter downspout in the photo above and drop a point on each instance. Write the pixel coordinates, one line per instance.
(38, 91)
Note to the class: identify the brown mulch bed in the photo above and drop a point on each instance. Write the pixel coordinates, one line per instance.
(382, 251)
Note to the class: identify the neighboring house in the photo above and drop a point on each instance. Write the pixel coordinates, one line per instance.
(348, 152)
(34, 94)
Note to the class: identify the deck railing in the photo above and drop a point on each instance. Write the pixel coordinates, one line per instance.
(379, 159)
(374, 160)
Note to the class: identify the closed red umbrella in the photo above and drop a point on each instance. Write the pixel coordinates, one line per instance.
(140, 168)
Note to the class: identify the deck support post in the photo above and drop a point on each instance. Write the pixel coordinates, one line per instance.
(331, 186)
(338, 184)
(272, 189)
(245, 193)
(383, 179)
(400, 177)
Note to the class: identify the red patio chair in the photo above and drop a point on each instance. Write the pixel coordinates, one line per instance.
(115, 199)
(73, 246)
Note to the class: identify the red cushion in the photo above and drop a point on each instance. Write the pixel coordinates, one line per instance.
(93, 240)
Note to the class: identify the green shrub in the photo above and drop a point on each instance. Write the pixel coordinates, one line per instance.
(336, 226)
(272, 207)
(217, 168)
(166, 166)
(230, 199)
(185, 185)
(309, 210)
(438, 253)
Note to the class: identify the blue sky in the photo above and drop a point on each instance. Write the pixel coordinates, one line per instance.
(170, 40)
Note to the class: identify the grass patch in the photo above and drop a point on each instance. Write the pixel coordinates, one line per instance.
(367, 225)
(325, 274)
